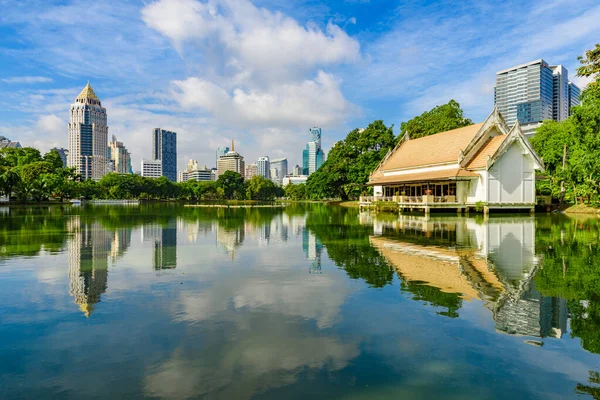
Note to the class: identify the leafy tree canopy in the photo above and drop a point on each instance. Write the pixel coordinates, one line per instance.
(439, 119)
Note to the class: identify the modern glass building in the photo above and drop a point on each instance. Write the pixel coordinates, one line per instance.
(280, 165)
(531, 93)
(313, 155)
(221, 151)
(574, 94)
(164, 148)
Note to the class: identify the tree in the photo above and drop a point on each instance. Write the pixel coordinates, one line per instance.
(439, 119)
(54, 158)
(232, 185)
(591, 67)
(350, 162)
(260, 188)
(295, 192)
(15, 157)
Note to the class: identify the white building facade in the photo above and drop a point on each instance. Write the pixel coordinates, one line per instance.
(151, 168)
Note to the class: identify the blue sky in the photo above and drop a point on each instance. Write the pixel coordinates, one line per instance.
(263, 72)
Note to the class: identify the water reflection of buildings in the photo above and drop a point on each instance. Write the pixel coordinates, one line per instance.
(89, 248)
(494, 261)
(231, 238)
(312, 250)
(164, 243)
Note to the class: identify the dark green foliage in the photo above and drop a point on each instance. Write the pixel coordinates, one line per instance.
(440, 119)
(350, 162)
(295, 192)
(232, 185)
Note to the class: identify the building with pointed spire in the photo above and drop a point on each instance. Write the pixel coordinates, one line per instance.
(231, 161)
(88, 136)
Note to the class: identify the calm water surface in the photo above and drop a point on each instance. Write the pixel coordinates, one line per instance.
(312, 302)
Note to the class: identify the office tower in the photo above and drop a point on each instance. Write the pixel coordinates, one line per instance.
(151, 168)
(574, 94)
(312, 250)
(62, 152)
(213, 174)
(88, 136)
(533, 92)
(297, 171)
(193, 172)
(88, 249)
(119, 157)
(264, 167)
(164, 148)
(165, 247)
(313, 156)
(221, 151)
(251, 170)
(231, 161)
(281, 165)
(7, 143)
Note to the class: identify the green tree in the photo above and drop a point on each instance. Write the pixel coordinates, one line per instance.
(350, 162)
(14, 157)
(232, 185)
(54, 158)
(260, 188)
(295, 192)
(439, 119)
(591, 67)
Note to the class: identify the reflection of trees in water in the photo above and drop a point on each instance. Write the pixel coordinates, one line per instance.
(570, 254)
(434, 296)
(347, 244)
(593, 391)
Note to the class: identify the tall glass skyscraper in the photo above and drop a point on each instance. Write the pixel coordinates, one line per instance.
(263, 166)
(313, 155)
(164, 149)
(88, 136)
(533, 92)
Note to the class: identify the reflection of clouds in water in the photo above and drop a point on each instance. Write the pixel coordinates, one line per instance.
(268, 356)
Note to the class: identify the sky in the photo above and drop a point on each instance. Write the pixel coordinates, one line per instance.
(263, 72)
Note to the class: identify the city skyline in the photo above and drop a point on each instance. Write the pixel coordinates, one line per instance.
(367, 63)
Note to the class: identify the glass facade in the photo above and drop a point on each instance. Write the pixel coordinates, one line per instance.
(164, 148)
(313, 155)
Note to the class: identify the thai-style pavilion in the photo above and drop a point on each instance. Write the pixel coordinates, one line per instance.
(486, 164)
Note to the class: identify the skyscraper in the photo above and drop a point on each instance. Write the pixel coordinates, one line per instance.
(119, 157)
(251, 170)
(231, 161)
(281, 166)
(313, 155)
(221, 151)
(263, 166)
(533, 92)
(164, 148)
(574, 94)
(88, 136)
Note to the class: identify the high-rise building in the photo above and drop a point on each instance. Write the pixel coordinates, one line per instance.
(231, 161)
(151, 168)
(298, 170)
(281, 166)
(251, 170)
(62, 152)
(264, 167)
(119, 157)
(221, 151)
(164, 148)
(533, 92)
(313, 155)
(574, 94)
(6, 142)
(193, 172)
(88, 136)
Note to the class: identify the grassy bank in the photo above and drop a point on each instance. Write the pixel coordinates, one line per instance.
(580, 209)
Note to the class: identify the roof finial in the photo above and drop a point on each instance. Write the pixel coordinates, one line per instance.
(232, 145)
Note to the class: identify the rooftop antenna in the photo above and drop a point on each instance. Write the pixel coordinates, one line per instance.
(232, 145)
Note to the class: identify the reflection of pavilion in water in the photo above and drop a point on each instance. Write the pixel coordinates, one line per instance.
(164, 241)
(312, 250)
(89, 248)
(494, 261)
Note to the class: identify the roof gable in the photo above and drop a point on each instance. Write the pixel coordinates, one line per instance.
(516, 135)
(441, 148)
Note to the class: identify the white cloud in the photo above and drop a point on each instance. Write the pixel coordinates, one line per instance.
(27, 79)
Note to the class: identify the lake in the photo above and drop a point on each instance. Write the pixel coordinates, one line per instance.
(307, 301)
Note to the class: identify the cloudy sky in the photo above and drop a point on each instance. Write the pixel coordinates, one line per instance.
(263, 72)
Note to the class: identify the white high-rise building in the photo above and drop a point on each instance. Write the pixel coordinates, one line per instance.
(264, 167)
(151, 168)
(251, 170)
(193, 172)
(119, 157)
(231, 161)
(88, 136)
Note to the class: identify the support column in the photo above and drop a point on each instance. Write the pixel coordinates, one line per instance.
(486, 210)
(427, 210)
(459, 211)
(532, 210)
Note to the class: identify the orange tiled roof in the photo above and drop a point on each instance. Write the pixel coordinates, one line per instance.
(447, 174)
(480, 159)
(440, 148)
